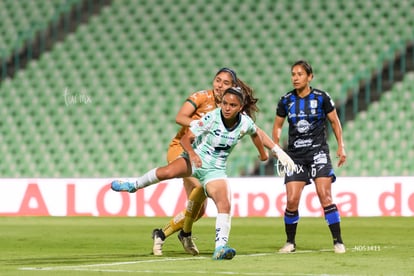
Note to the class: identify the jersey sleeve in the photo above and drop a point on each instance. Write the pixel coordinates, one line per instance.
(204, 123)
(328, 103)
(197, 98)
(281, 109)
(251, 128)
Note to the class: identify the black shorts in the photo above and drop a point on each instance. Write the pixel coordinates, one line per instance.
(312, 166)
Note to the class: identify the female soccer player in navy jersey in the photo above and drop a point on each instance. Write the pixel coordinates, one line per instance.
(307, 109)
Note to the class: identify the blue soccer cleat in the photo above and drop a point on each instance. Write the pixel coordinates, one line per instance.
(123, 186)
(224, 253)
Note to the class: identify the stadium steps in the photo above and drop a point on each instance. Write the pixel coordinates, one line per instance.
(378, 140)
(139, 60)
(32, 27)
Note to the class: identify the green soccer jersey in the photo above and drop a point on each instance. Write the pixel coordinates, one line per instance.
(214, 142)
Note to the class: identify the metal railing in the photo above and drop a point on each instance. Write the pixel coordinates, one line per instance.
(41, 36)
(367, 86)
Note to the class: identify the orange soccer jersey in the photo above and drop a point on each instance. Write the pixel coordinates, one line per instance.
(203, 102)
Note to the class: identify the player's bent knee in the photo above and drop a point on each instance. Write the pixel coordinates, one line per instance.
(223, 208)
(166, 173)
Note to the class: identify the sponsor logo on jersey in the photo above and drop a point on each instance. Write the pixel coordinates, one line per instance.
(303, 143)
(218, 133)
(303, 126)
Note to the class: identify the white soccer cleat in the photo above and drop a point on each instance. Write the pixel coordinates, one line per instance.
(339, 248)
(188, 244)
(159, 238)
(288, 248)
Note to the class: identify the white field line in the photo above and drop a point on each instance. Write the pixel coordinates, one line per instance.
(109, 264)
(104, 267)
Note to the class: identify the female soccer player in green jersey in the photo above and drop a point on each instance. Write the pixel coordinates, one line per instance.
(207, 146)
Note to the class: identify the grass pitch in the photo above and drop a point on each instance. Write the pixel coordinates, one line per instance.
(116, 246)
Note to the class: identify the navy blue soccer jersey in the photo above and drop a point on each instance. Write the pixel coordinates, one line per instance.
(307, 120)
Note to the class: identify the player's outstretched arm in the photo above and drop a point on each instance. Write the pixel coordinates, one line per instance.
(284, 158)
(277, 152)
(267, 142)
(257, 141)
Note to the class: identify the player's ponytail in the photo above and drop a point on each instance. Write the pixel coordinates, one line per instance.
(250, 107)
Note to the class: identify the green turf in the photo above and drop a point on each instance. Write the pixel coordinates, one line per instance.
(119, 246)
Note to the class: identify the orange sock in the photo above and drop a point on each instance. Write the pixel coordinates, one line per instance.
(192, 212)
(175, 224)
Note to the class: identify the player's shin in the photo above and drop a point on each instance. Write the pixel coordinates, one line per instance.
(185, 236)
(333, 219)
(223, 225)
(194, 206)
(147, 179)
(175, 224)
(291, 219)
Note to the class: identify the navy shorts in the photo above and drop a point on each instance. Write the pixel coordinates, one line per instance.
(307, 169)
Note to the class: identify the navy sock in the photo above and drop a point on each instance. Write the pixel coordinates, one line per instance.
(184, 234)
(333, 219)
(291, 222)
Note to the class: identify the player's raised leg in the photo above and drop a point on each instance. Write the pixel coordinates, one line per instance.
(178, 168)
(130, 186)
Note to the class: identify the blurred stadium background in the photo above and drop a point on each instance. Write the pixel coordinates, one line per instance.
(90, 88)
